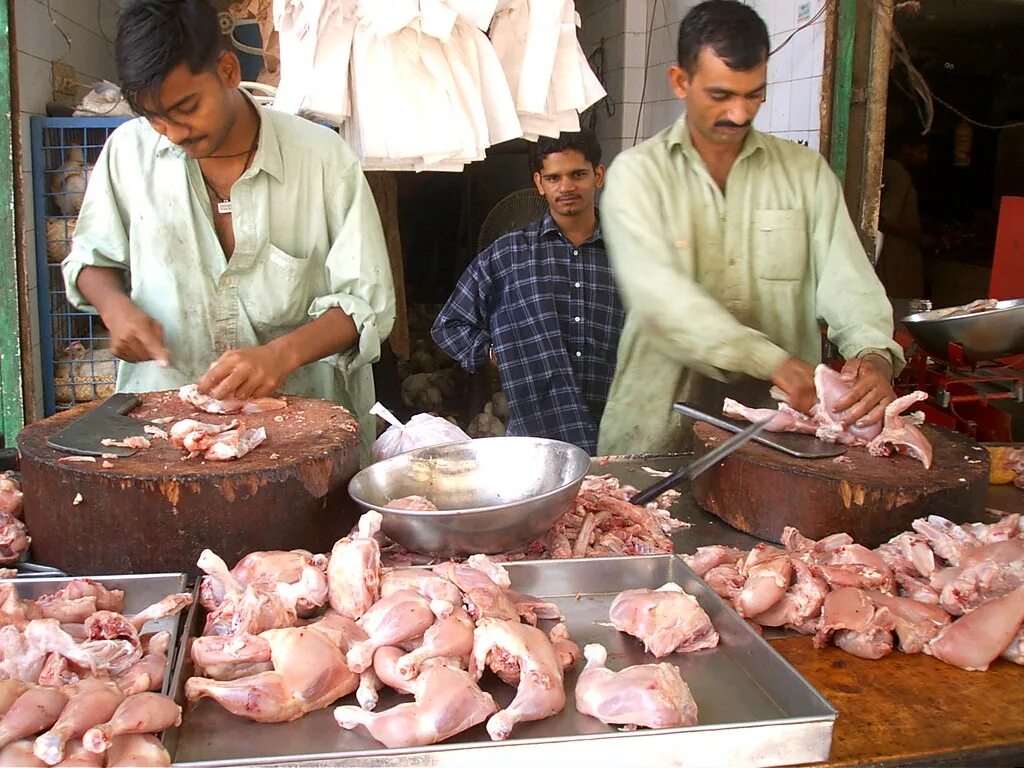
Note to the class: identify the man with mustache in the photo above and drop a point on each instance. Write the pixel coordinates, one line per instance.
(729, 246)
(223, 243)
(541, 303)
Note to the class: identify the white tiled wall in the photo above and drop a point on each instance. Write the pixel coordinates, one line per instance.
(794, 73)
(89, 26)
(604, 25)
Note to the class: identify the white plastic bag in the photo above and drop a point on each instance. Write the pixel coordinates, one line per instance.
(421, 431)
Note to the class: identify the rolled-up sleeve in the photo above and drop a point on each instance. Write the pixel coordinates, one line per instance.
(679, 317)
(462, 327)
(849, 298)
(100, 239)
(358, 269)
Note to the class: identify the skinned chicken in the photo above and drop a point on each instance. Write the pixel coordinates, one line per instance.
(667, 620)
(353, 573)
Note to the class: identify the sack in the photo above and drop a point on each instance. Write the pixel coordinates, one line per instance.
(421, 431)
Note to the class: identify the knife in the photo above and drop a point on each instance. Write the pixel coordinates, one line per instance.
(705, 462)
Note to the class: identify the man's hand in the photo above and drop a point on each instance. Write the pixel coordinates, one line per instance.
(872, 390)
(135, 337)
(796, 379)
(244, 374)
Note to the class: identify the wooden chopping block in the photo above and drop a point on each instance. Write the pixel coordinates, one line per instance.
(156, 511)
(760, 490)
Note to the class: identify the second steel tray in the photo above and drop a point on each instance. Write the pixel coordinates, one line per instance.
(755, 710)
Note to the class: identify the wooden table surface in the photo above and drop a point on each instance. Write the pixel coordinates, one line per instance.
(908, 710)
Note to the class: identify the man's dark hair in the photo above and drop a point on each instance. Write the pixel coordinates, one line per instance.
(584, 142)
(155, 36)
(731, 29)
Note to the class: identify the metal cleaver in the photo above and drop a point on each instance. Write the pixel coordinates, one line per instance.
(106, 420)
(800, 446)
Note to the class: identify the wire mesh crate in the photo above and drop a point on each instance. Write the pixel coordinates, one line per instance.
(77, 364)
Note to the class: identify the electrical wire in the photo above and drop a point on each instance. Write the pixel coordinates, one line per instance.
(647, 67)
(67, 40)
(805, 25)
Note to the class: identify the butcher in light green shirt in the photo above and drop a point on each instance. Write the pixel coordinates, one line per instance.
(729, 246)
(224, 243)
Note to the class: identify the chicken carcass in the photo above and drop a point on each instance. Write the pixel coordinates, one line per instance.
(230, 658)
(92, 702)
(293, 567)
(309, 673)
(667, 620)
(540, 693)
(403, 616)
(648, 695)
(256, 607)
(485, 585)
(24, 652)
(448, 702)
(975, 640)
(191, 394)
(141, 713)
(897, 433)
(353, 572)
(34, 711)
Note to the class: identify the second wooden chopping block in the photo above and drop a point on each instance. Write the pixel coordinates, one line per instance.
(760, 491)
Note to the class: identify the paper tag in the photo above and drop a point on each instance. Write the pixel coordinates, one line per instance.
(224, 206)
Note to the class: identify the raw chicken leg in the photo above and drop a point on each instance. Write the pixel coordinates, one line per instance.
(977, 639)
(10, 691)
(447, 637)
(874, 642)
(353, 573)
(18, 754)
(430, 585)
(783, 419)
(76, 755)
(667, 620)
(294, 567)
(916, 623)
(541, 693)
(141, 713)
(229, 658)
(648, 695)
(137, 750)
(92, 703)
(169, 606)
(385, 663)
(34, 711)
(896, 432)
(800, 607)
(309, 673)
(768, 571)
(706, 558)
(448, 702)
(394, 620)
(567, 650)
(485, 585)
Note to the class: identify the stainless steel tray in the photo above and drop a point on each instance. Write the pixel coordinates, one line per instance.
(755, 710)
(140, 591)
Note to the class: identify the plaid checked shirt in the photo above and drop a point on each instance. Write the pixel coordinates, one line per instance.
(553, 314)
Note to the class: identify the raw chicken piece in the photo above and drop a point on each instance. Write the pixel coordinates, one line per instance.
(191, 394)
(113, 642)
(353, 572)
(132, 441)
(68, 611)
(141, 713)
(846, 608)
(447, 637)
(14, 610)
(897, 432)
(14, 539)
(851, 565)
(394, 620)
(967, 588)
(917, 589)
(448, 702)
(76, 589)
(1007, 528)
(235, 444)
(667, 620)
(196, 436)
(915, 550)
(768, 571)
(706, 558)
(10, 691)
(309, 673)
(800, 607)
(783, 419)
(168, 606)
(385, 667)
(1015, 650)
(367, 694)
(147, 674)
(726, 581)
(947, 539)
(541, 693)
(23, 653)
(11, 497)
(874, 641)
(916, 623)
(34, 711)
(342, 630)
(76, 755)
(18, 754)
(566, 648)
(830, 386)
(229, 658)
(412, 504)
(485, 585)
(253, 608)
(648, 695)
(428, 584)
(294, 567)
(93, 702)
(137, 750)
(531, 608)
(977, 639)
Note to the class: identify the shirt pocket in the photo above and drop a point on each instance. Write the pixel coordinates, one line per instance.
(280, 297)
(780, 244)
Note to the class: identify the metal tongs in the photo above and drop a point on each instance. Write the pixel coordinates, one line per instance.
(705, 462)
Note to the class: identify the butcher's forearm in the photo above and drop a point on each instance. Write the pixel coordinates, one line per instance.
(330, 334)
(103, 287)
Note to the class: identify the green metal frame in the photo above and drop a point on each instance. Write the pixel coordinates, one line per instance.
(12, 406)
(842, 89)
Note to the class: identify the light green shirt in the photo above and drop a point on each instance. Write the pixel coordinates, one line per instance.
(307, 238)
(717, 284)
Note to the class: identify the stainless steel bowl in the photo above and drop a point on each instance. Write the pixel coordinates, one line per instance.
(493, 494)
(985, 335)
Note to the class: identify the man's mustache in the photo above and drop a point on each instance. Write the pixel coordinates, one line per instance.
(731, 124)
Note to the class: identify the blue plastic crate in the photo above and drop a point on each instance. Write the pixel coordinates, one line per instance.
(76, 362)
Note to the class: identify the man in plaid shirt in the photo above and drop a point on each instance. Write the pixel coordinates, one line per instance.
(542, 305)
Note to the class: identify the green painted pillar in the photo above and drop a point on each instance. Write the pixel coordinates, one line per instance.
(12, 411)
(842, 90)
